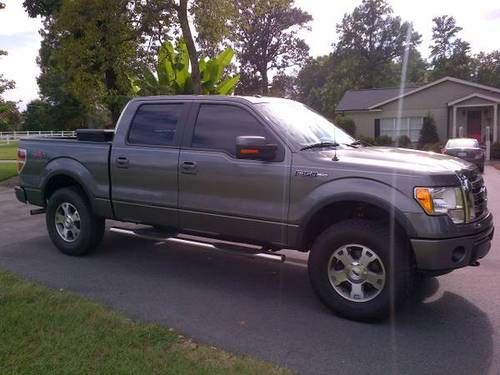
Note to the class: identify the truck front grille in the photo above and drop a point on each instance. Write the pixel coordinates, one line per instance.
(476, 193)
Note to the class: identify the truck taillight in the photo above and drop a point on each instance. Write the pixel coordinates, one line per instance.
(21, 159)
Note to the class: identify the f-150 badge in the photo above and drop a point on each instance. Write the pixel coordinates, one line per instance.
(310, 174)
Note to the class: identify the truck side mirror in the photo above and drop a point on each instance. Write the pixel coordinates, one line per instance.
(254, 147)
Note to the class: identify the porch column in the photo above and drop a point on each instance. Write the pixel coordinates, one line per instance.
(495, 123)
(454, 131)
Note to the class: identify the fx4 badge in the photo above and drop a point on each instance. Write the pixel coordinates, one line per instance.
(310, 174)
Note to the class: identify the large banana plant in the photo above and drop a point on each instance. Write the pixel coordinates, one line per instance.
(173, 75)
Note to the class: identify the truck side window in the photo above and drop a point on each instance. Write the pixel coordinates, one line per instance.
(155, 124)
(218, 125)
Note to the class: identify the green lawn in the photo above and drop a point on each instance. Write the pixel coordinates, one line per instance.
(7, 170)
(52, 331)
(8, 151)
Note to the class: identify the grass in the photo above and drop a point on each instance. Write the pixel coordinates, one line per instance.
(7, 170)
(53, 331)
(8, 151)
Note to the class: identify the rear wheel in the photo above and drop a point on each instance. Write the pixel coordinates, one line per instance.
(355, 273)
(72, 227)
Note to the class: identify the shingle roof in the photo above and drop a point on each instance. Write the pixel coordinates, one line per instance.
(361, 100)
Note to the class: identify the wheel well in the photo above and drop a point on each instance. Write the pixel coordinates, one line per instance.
(340, 211)
(61, 181)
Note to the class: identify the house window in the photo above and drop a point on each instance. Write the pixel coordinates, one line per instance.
(394, 127)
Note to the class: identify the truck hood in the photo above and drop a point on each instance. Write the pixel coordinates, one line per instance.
(392, 160)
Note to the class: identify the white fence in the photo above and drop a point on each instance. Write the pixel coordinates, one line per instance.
(14, 136)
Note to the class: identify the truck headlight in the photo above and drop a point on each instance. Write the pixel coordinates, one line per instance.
(442, 201)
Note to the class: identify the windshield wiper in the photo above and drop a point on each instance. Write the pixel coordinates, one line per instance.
(320, 145)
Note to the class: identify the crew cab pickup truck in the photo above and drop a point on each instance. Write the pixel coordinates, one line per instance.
(266, 174)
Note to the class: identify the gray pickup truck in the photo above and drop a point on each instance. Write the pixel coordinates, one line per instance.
(257, 175)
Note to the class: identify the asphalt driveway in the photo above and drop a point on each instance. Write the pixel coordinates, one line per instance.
(266, 309)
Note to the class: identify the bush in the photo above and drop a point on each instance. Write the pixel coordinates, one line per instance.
(384, 140)
(434, 147)
(346, 123)
(428, 133)
(368, 140)
(403, 141)
(495, 150)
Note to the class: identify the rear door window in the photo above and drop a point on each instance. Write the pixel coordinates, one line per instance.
(155, 124)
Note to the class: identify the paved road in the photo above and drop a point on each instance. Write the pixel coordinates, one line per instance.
(267, 309)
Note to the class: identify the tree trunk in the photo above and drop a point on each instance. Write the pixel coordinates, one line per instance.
(112, 88)
(188, 38)
(264, 80)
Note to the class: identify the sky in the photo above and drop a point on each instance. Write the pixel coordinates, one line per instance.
(479, 19)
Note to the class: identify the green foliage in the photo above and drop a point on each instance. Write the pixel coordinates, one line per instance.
(366, 140)
(42, 115)
(450, 56)
(495, 150)
(403, 141)
(10, 117)
(487, 68)
(383, 140)
(428, 133)
(264, 34)
(173, 75)
(374, 39)
(346, 123)
(88, 48)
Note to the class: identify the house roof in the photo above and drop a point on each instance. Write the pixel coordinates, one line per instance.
(371, 99)
(361, 100)
(474, 95)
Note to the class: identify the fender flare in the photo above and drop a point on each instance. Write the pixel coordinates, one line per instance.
(378, 196)
(73, 169)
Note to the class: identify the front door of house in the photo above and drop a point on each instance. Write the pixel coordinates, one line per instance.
(474, 125)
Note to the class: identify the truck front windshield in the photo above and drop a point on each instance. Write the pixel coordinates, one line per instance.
(302, 125)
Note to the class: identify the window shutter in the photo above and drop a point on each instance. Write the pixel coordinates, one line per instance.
(377, 127)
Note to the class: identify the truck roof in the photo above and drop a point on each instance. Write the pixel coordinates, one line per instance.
(222, 98)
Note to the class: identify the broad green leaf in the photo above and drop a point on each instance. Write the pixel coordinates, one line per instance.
(224, 58)
(227, 87)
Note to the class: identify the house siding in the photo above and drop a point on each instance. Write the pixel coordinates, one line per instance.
(431, 101)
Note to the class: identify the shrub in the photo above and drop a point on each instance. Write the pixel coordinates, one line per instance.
(384, 140)
(403, 141)
(428, 133)
(434, 147)
(346, 123)
(495, 150)
(368, 140)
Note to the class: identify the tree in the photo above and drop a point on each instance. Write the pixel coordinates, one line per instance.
(374, 40)
(264, 35)
(428, 133)
(487, 68)
(450, 56)
(5, 84)
(10, 117)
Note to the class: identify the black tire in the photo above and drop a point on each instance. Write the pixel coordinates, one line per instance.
(399, 272)
(91, 227)
(481, 168)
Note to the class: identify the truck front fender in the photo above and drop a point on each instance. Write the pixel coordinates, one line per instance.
(375, 193)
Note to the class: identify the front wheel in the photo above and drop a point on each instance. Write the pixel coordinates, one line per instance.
(359, 271)
(72, 226)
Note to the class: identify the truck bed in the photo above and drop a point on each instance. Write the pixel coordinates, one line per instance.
(85, 161)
